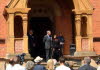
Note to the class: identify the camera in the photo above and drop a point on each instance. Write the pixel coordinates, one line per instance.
(21, 57)
(98, 61)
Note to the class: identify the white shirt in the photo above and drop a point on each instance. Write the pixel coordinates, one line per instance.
(63, 67)
(98, 68)
(9, 67)
(18, 67)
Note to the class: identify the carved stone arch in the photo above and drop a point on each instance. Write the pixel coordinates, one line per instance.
(17, 4)
(82, 6)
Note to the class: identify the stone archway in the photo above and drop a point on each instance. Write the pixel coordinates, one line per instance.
(81, 8)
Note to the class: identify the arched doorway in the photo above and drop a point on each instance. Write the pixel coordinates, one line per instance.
(41, 19)
(55, 16)
(39, 26)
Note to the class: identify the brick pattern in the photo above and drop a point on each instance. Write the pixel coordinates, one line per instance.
(96, 24)
(3, 28)
(97, 47)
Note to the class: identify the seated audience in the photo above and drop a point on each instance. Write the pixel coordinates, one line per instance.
(62, 65)
(17, 65)
(10, 65)
(87, 66)
(98, 65)
(29, 65)
(51, 64)
(38, 66)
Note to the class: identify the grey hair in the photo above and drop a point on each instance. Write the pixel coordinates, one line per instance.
(29, 65)
(48, 31)
(87, 60)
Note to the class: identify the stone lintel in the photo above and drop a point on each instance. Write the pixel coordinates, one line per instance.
(14, 10)
(82, 11)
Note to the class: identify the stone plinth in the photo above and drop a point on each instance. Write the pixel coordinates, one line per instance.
(85, 53)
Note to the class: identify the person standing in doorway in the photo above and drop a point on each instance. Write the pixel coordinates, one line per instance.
(31, 43)
(56, 52)
(61, 40)
(48, 42)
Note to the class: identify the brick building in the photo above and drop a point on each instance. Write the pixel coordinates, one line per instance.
(77, 20)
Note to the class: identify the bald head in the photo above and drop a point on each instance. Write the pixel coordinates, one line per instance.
(87, 60)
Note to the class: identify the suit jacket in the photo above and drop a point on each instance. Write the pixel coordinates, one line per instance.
(31, 40)
(87, 67)
(39, 67)
(48, 41)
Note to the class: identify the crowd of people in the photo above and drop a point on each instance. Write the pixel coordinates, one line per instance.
(52, 64)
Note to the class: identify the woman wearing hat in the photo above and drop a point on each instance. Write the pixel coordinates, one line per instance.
(38, 66)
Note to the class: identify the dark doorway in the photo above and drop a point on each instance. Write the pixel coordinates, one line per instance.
(40, 25)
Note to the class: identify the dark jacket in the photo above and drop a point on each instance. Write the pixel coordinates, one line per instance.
(31, 40)
(55, 43)
(39, 67)
(61, 38)
(87, 67)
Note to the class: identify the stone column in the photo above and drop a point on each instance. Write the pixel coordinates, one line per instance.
(25, 38)
(78, 31)
(89, 32)
(10, 47)
(78, 35)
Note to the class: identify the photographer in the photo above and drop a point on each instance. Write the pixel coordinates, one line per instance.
(10, 65)
(17, 65)
(21, 57)
(98, 62)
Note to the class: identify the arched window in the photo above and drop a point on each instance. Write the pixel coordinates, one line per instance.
(83, 26)
(18, 27)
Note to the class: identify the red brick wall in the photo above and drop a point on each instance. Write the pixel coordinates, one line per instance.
(3, 28)
(96, 24)
(64, 25)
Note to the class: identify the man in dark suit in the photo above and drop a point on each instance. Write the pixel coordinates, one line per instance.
(87, 66)
(48, 41)
(31, 43)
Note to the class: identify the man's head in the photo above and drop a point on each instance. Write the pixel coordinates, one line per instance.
(60, 33)
(49, 32)
(11, 61)
(16, 60)
(62, 60)
(30, 32)
(87, 60)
